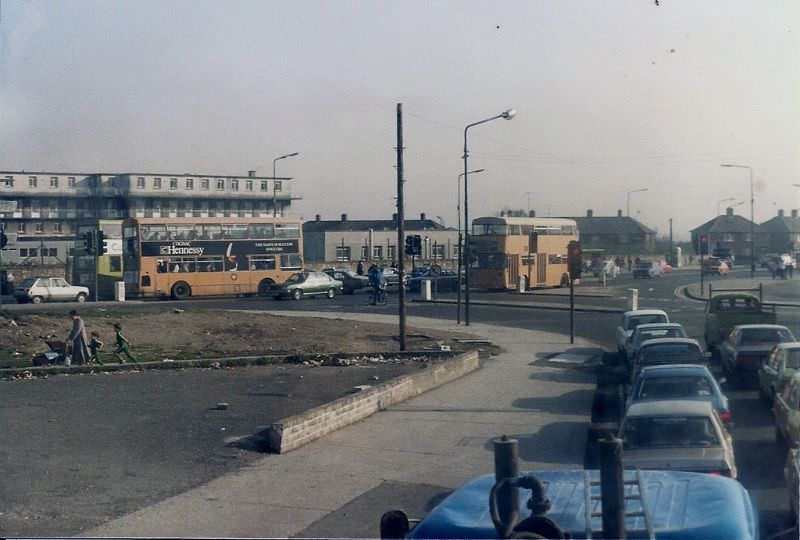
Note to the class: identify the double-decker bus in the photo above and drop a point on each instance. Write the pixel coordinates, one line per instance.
(183, 257)
(504, 248)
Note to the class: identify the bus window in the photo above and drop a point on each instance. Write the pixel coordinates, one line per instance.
(154, 233)
(291, 262)
(231, 264)
(238, 231)
(180, 232)
(528, 260)
(262, 263)
(112, 230)
(212, 232)
(161, 266)
(262, 231)
(484, 229)
(514, 230)
(287, 231)
(114, 263)
(209, 264)
(491, 261)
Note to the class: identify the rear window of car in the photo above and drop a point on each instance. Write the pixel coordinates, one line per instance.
(757, 336)
(659, 431)
(674, 387)
(27, 282)
(662, 333)
(677, 351)
(636, 320)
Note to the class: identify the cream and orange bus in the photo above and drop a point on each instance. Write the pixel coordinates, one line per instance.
(183, 257)
(504, 248)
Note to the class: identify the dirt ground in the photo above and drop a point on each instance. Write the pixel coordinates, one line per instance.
(196, 334)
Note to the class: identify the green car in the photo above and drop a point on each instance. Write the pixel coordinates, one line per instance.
(783, 362)
(302, 284)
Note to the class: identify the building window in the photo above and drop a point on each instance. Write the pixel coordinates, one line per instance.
(365, 252)
(32, 181)
(390, 252)
(377, 252)
(234, 185)
(727, 237)
(220, 184)
(190, 183)
(54, 181)
(278, 185)
(263, 185)
(23, 252)
(57, 226)
(50, 252)
(21, 227)
(8, 181)
(39, 227)
(204, 184)
(248, 185)
(140, 182)
(156, 183)
(342, 253)
(71, 182)
(33, 252)
(173, 184)
(437, 251)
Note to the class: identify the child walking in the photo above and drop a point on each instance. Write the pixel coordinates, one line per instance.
(122, 346)
(94, 348)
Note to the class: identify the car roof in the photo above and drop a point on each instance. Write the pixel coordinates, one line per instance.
(670, 341)
(644, 312)
(668, 370)
(658, 326)
(671, 407)
(727, 296)
(756, 326)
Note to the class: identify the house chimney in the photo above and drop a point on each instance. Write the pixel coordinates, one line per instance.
(729, 211)
(589, 213)
(794, 214)
(344, 217)
(780, 212)
(531, 213)
(619, 213)
(318, 217)
(422, 216)
(251, 174)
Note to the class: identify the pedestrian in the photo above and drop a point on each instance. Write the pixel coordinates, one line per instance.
(790, 269)
(629, 263)
(123, 346)
(77, 340)
(782, 268)
(94, 346)
(360, 268)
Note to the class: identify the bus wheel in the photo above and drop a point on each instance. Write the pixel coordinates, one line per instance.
(564, 281)
(265, 287)
(181, 291)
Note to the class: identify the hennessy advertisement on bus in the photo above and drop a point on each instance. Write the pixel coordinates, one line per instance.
(240, 248)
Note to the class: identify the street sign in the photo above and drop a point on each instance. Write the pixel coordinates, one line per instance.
(8, 206)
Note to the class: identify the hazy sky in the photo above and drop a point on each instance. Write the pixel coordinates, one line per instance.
(611, 97)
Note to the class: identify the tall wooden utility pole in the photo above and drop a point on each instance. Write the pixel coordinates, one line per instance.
(401, 229)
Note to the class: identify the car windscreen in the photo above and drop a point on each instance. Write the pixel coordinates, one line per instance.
(793, 359)
(672, 353)
(760, 336)
(674, 387)
(636, 320)
(296, 278)
(660, 431)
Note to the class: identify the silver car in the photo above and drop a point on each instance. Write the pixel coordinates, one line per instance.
(644, 332)
(49, 289)
(683, 435)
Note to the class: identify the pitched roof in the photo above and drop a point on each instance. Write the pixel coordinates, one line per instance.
(728, 224)
(611, 225)
(782, 224)
(374, 224)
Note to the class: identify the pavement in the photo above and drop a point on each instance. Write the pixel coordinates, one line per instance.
(776, 292)
(423, 447)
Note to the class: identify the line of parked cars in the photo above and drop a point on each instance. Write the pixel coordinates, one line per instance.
(676, 414)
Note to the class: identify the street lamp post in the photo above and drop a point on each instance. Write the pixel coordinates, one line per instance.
(724, 200)
(508, 115)
(752, 218)
(628, 211)
(460, 244)
(274, 191)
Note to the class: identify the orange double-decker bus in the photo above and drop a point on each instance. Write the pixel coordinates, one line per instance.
(503, 249)
(183, 257)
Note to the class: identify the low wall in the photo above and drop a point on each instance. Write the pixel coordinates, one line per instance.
(294, 431)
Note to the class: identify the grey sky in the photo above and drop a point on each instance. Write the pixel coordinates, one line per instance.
(611, 96)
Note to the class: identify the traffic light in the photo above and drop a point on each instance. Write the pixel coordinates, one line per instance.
(409, 245)
(88, 242)
(703, 244)
(574, 259)
(3, 239)
(101, 246)
(417, 245)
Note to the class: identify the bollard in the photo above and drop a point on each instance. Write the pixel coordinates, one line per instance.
(506, 466)
(119, 291)
(634, 298)
(612, 488)
(520, 283)
(425, 290)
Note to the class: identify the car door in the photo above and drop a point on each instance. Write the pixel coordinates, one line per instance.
(60, 290)
(780, 408)
(44, 288)
(727, 350)
(793, 416)
(770, 371)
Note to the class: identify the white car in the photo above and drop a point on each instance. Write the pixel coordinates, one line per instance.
(632, 319)
(49, 289)
(643, 332)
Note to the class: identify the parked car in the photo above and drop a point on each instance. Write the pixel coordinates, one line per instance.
(445, 280)
(607, 266)
(684, 435)
(749, 345)
(786, 409)
(782, 364)
(350, 280)
(662, 351)
(648, 269)
(791, 472)
(392, 277)
(679, 381)
(632, 319)
(49, 289)
(725, 311)
(715, 265)
(302, 284)
(644, 332)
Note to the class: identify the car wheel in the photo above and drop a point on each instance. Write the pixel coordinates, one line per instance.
(331, 293)
(297, 294)
(265, 286)
(37, 299)
(81, 298)
(181, 291)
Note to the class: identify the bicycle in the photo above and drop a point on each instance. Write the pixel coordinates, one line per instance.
(381, 299)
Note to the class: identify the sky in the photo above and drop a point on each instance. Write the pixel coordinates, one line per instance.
(611, 97)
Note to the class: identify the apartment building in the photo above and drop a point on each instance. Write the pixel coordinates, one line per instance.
(39, 211)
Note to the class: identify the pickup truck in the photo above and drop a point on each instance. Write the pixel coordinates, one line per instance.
(724, 311)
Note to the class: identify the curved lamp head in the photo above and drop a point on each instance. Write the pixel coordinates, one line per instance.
(509, 114)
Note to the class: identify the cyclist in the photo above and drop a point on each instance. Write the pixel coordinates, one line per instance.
(378, 282)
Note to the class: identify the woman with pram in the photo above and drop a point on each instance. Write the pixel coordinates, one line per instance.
(77, 341)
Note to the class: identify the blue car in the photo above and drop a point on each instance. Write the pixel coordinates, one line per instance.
(679, 381)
